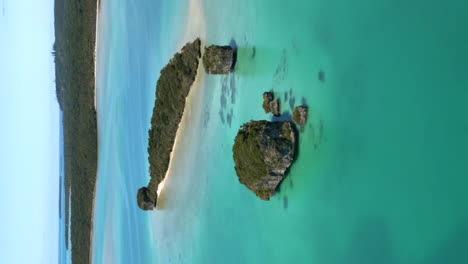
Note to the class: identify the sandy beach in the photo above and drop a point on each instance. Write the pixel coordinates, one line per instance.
(98, 4)
(195, 28)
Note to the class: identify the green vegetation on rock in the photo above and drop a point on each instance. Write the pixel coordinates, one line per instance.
(218, 59)
(262, 152)
(172, 90)
(143, 199)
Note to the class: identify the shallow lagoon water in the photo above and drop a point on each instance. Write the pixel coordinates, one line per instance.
(381, 173)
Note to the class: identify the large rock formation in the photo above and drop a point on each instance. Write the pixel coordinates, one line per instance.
(299, 116)
(263, 151)
(218, 59)
(172, 89)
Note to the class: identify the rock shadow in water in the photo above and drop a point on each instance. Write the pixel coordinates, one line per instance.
(321, 76)
(285, 116)
(224, 92)
(233, 45)
(232, 85)
(229, 117)
(206, 116)
(285, 203)
(292, 101)
(221, 116)
(281, 72)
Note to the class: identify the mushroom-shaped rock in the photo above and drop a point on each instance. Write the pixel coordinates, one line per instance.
(299, 116)
(262, 153)
(143, 199)
(274, 107)
(218, 59)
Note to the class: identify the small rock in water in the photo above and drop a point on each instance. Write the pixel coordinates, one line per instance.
(274, 107)
(218, 59)
(267, 98)
(299, 116)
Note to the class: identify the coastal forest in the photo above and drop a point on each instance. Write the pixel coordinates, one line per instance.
(75, 38)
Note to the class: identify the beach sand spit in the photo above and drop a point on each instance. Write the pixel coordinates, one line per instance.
(195, 28)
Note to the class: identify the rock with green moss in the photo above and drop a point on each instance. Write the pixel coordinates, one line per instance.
(218, 59)
(299, 116)
(262, 152)
(143, 200)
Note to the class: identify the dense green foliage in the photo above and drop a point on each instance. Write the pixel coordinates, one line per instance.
(172, 89)
(75, 33)
(248, 156)
(262, 153)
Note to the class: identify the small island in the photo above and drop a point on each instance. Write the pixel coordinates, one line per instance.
(172, 89)
(262, 152)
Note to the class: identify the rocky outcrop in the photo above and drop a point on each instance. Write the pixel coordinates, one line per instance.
(270, 105)
(262, 152)
(267, 98)
(274, 107)
(299, 116)
(218, 59)
(143, 199)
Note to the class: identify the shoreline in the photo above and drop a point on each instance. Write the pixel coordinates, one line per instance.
(188, 102)
(98, 4)
(91, 235)
(194, 27)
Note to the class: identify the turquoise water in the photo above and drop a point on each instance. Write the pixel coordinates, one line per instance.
(381, 173)
(64, 254)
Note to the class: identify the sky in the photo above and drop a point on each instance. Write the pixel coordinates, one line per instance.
(29, 134)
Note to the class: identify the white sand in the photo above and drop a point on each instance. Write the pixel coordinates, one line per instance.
(195, 28)
(95, 108)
